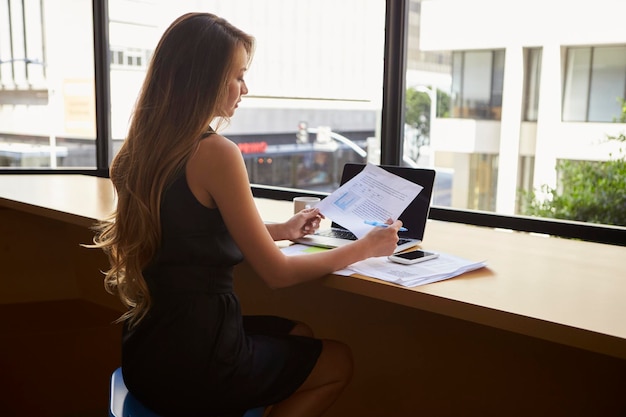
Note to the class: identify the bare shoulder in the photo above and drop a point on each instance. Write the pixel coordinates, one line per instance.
(217, 163)
(217, 146)
(216, 154)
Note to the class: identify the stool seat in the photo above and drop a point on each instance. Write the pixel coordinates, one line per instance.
(123, 404)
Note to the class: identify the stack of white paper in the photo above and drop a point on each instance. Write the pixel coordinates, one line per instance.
(444, 267)
(438, 269)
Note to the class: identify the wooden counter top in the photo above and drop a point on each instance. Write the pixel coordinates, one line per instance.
(562, 290)
(76, 199)
(565, 291)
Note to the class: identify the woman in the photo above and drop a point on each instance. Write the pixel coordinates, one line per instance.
(185, 217)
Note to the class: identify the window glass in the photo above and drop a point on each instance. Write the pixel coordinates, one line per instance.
(576, 88)
(457, 84)
(434, 85)
(475, 111)
(47, 102)
(608, 83)
(497, 85)
(473, 90)
(595, 84)
(532, 77)
(315, 83)
(477, 84)
(525, 106)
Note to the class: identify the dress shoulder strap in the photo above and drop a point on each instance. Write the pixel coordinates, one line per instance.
(208, 133)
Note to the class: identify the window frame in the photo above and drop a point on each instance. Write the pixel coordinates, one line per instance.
(394, 74)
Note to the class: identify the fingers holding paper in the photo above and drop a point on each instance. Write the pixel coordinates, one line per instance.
(383, 240)
(304, 222)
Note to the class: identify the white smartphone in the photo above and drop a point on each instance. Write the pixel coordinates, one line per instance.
(412, 257)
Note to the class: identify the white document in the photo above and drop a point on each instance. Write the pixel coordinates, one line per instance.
(372, 195)
(438, 269)
(444, 267)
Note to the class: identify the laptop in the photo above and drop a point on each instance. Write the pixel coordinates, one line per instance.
(413, 217)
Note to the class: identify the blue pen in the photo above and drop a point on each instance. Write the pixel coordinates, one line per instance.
(380, 224)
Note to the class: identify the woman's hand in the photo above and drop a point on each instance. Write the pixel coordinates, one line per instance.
(382, 241)
(303, 223)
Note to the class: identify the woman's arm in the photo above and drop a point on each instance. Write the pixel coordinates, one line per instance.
(303, 223)
(218, 178)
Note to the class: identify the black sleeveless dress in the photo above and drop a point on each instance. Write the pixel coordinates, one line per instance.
(194, 354)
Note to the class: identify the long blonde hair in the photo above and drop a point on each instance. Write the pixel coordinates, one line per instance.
(181, 94)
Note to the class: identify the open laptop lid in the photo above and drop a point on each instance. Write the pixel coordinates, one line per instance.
(415, 215)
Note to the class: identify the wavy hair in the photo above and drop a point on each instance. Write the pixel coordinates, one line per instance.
(185, 84)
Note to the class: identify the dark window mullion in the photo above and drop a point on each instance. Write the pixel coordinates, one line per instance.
(103, 86)
(392, 129)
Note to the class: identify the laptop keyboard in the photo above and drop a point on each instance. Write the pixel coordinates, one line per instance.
(346, 234)
(336, 233)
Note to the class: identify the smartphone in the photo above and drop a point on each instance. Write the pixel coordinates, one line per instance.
(412, 257)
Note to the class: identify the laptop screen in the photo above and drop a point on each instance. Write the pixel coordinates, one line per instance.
(415, 215)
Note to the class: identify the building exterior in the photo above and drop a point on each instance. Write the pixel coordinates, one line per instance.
(532, 82)
(302, 72)
(425, 68)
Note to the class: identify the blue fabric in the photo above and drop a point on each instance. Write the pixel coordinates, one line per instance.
(124, 404)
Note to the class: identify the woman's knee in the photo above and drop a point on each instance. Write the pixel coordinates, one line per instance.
(301, 329)
(341, 358)
(328, 379)
(334, 365)
(335, 362)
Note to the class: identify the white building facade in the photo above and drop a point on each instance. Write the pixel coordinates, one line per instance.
(533, 82)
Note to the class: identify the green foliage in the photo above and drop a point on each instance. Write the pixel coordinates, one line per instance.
(622, 118)
(417, 111)
(593, 192)
(443, 104)
(589, 191)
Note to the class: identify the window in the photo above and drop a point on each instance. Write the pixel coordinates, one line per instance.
(131, 58)
(608, 83)
(595, 81)
(117, 56)
(532, 77)
(478, 89)
(499, 143)
(47, 103)
(21, 45)
(473, 91)
(315, 82)
(326, 88)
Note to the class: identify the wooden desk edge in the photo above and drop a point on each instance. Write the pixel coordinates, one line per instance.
(529, 326)
(50, 213)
